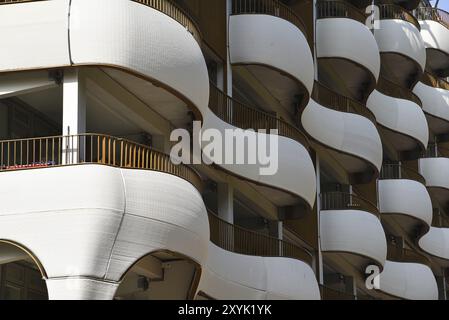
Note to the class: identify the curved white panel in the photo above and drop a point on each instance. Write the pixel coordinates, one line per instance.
(435, 35)
(436, 242)
(399, 36)
(405, 197)
(400, 115)
(232, 276)
(35, 35)
(348, 132)
(95, 221)
(80, 289)
(348, 39)
(435, 171)
(411, 281)
(435, 100)
(353, 231)
(136, 37)
(254, 39)
(295, 172)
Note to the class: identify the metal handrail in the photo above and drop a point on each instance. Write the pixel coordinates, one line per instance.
(89, 148)
(243, 241)
(432, 81)
(346, 201)
(245, 117)
(339, 9)
(269, 7)
(393, 171)
(330, 99)
(393, 90)
(393, 11)
(435, 151)
(398, 254)
(434, 14)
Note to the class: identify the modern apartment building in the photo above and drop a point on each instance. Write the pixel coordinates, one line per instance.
(92, 206)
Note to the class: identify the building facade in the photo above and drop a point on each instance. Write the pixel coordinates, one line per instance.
(93, 94)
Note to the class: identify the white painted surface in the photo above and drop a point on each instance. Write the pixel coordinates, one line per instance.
(229, 275)
(348, 39)
(353, 231)
(295, 174)
(435, 171)
(400, 115)
(435, 35)
(436, 242)
(348, 132)
(405, 197)
(435, 101)
(254, 39)
(411, 281)
(399, 36)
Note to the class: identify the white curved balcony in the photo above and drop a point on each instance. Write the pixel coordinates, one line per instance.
(254, 43)
(412, 281)
(403, 122)
(345, 46)
(351, 228)
(126, 37)
(435, 103)
(436, 173)
(294, 174)
(404, 198)
(435, 33)
(351, 137)
(231, 276)
(400, 44)
(97, 220)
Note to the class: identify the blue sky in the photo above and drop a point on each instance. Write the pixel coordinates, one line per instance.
(444, 4)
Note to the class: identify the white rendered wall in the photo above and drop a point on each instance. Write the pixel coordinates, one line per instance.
(353, 231)
(435, 171)
(436, 242)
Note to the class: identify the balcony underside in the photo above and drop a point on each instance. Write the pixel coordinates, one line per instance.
(402, 50)
(411, 281)
(232, 276)
(435, 105)
(348, 54)
(353, 235)
(402, 121)
(255, 45)
(352, 139)
(407, 204)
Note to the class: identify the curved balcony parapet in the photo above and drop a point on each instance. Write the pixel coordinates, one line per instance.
(435, 30)
(344, 126)
(344, 42)
(412, 281)
(295, 165)
(232, 276)
(239, 240)
(401, 120)
(435, 103)
(351, 226)
(391, 89)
